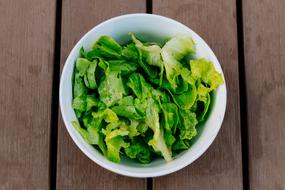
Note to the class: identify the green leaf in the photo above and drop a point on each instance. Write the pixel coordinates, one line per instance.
(79, 87)
(127, 109)
(169, 138)
(187, 99)
(130, 52)
(114, 133)
(82, 65)
(108, 115)
(82, 53)
(105, 47)
(150, 53)
(170, 116)
(111, 89)
(158, 142)
(91, 101)
(142, 128)
(202, 107)
(172, 52)
(180, 145)
(91, 75)
(110, 43)
(139, 150)
(81, 131)
(122, 66)
(139, 86)
(79, 103)
(204, 70)
(187, 125)
(113, 148)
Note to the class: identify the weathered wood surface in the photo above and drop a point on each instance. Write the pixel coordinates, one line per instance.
(264, 41)
(27, 46)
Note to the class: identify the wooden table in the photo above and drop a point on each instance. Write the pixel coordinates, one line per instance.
(248, 38)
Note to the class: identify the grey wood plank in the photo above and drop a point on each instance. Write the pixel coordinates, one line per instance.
(27, 51)
(264, 28)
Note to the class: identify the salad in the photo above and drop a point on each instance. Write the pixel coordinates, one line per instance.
(141, 99)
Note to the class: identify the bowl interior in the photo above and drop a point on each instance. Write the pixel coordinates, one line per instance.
(149, 28)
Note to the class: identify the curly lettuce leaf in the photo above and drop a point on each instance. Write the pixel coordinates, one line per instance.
(139, 86)
(157, 142)
(79, 87)
(202, 69)
(92, 135)
(122, 66)
(86, 69)
(114, 138)
(172, 52)
(180, 145)
(130, 52)
(110, 43)
(111, 89)
(126, 108)
(139, 150)
(105, 47)
(115, 133)
(113, 148)
(108, 115)
(187, 99)
(187, 125)
(150, 53)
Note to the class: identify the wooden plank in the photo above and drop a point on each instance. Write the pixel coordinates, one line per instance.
(221, 166)
(75, 170)
(264, 28)
(27, 47)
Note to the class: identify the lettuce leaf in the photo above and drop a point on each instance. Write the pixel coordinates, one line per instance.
(172, 52)
(158, 142)
(202, 69)
(139, 150)
(111, 89)
(150, 53)
(187, 125)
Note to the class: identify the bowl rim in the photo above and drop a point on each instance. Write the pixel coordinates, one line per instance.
(106, 164)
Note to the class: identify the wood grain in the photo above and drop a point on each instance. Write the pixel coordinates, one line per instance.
(27, 45)
(75, 170)
(264, 40)
(220, 167)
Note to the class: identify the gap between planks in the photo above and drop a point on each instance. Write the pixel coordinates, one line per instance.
(242, 94)
(55, 98)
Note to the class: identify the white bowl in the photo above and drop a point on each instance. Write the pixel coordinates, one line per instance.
(154, 28)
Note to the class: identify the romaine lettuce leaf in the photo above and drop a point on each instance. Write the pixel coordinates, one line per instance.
(158, 142)
(139, 86)
(139, 150)
(79, 87)
(172, 52)
(204, 70)
(187, 125)
(126, 108)
(150, 53)
(187, 99)
(111, 89)
(92, 135)
(130, 52)
(114, 138)
(122, 66)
